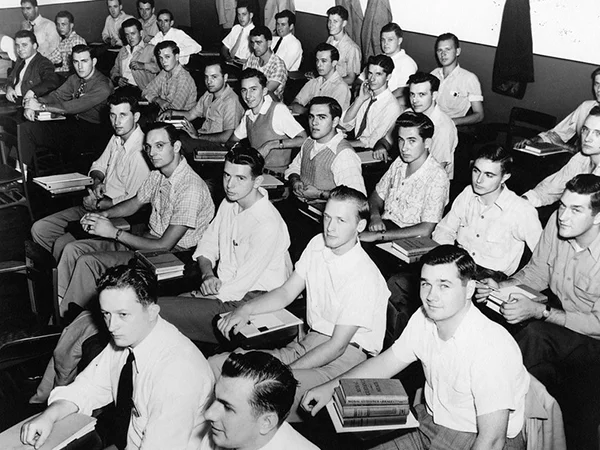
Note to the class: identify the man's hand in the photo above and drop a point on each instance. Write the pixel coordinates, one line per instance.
(100, 190)
(265, 149)
(484, 288)
(29, 114)
(89, 201)
(298, 188)
(376, 224)
(166, 115)
(190, 129)
(122, 81)
(524, 142)
(233, 321)
(316, 398)
(137, 65)
(36, 431)
(98, 225)
(33, 104)
(310, 75)
(365, 92)
(161, 102)
(210, 285)
(381, 154)
(520, 308)
(11, 95)
(29, 94)
(370, 236)
(114, 42)
(310, 192)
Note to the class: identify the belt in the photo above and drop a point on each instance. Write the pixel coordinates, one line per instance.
(362, 349)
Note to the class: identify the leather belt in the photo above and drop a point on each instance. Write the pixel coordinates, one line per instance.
(355, 345)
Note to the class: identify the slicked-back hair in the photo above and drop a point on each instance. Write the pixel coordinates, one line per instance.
(119, 99)
(132, 22)
(595, 111)
(245, 155)
(339, 10)
(254, 73)
(26, 34)
(34, 3)
(325, 47)
(274, 382)
(344, 193)
(64, 15)
(82, 48)
(261, 31)
(216, 61)
(383, 61)
(496, 153)
(150, 2)
(244, 4)
(291, 17)
(451, 254)
(166, 44)
(334, 107)
(423, 77)
(447, 37)
(166, 11)
(139, 279)
(392, 26)
(586, 184)
(169, 128)
(420, 121)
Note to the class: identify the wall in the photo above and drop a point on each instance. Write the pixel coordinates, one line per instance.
(560, 84)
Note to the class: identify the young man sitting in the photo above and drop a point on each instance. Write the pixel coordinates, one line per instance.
(475, 379)
(111, 34)
(246, 243)
(285, 45)
(265, 60)
(61, 56)
(350, 58)
(187, 46)
(236, 46)
(345, 312)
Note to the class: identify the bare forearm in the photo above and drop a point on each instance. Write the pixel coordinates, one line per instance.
(205, 266)
(60, 409)
(218, 138)
(124, 209)
(470, 119)
(420, 229)
(319, 356)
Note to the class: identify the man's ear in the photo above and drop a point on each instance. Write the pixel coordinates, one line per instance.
(177, 146)
(136, 117)
(505, 177)
(362, 225)
(458, 52)
(94, 61)
(258, 181)
(597, 219)
(470, 289)
(434, 95)
(267, 422)
(336, 122)
(428, 142)
(154, 310)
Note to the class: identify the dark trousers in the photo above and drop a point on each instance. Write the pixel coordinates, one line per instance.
(77, 142)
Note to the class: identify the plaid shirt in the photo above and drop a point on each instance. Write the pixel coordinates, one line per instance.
(176, 87)
(274, 70)
(181, 199)
(62, 53)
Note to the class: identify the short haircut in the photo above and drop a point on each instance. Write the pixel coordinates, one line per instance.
(410, 119)
(334, 107)
(166, 11)
(82, 48)
(422, 77)
(119, 1)
(586, 184)
(139, 279)
(166, 44)
(261, 31)
(339, 10)
(392, 26)
(34, 3)
(64, 15)
(344, 193)
(22, 34)
(274, 382)
(325, 47)
(595, 73)
(451, 254)
(215, 61)
(119, 99)
(133, 22)
(245, 155)
(252, 73)
(150, 2)
(291, 17)
(169, 128)
(447, 37)
(496, 153)
(383, 61)
(244, 4)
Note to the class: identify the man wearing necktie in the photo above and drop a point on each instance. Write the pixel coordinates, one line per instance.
(160, 381)
(285, 44)
(33, 74)
(375, 109)
(44, 29)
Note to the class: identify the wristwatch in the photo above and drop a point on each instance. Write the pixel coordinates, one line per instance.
(546, 312)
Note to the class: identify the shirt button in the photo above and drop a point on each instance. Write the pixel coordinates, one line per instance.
(477, 235)
(482, 217)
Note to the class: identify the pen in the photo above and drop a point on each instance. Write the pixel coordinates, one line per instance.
(481, 284)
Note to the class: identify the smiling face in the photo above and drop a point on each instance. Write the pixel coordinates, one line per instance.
(413, 147)
(253, 93)
(133, 35)
(63, 26)
(283, 26)
(29, 11)
(421, 97)
(123, 120)
(390, 43)
(341, 225)
(25, 48)
(114, 8)
(487, 177)
(84, 64)
(444, 295)
(575, 216)
(145, 10)
(167, 59)
(447, 53)
(127, 320)
(321, 123)
(335, 24)
(164, 23)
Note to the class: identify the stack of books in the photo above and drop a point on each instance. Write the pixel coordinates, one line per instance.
(68, 182)
(542, 149)
(361, 402)
(177, 121)
(504, 295)
(45, 116)
(409, 250)
(162, 263)
(203, 155)
(313, 209)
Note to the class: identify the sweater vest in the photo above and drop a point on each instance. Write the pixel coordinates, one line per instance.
(261, 131)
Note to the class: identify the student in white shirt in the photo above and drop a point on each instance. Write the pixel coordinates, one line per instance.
(236, 45)
(187, 45)
(290, 48)
(111, 34)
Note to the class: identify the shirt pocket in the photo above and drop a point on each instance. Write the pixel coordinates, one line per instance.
(497, 240)
(587, 290)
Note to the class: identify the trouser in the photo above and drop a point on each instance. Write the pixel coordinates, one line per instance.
(307, 378)
(193, 316)
(50, 232)
(81, 265)
(430, 436)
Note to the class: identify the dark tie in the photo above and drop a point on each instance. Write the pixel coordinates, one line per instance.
(277, 45)
(124, 403)
(19, 74)
(80, 89)
(363, 123)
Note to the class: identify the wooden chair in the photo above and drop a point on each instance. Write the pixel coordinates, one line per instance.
(526, 123)
(13, 182)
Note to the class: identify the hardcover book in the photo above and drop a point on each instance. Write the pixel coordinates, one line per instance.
(369, 391)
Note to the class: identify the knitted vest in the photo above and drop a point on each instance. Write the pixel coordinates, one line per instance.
(317, 172)
(262, 131)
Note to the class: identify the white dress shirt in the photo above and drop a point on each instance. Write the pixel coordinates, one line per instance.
(187, 46)
(290, 51)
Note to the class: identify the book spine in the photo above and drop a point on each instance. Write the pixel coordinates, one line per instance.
(373, 421)
(375, 411)
(361, 401)
(142, 259)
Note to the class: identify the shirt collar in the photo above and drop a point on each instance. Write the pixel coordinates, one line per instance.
(135, 141)
(334, 79)
(175, 72)
(454, 71)
(178, 173)
(150, 21)
(503, 201)
(593, 248)
(331, 145)
(140, 46)
(37, 20)
(146, 349)
(257, 207)
(263, 109)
